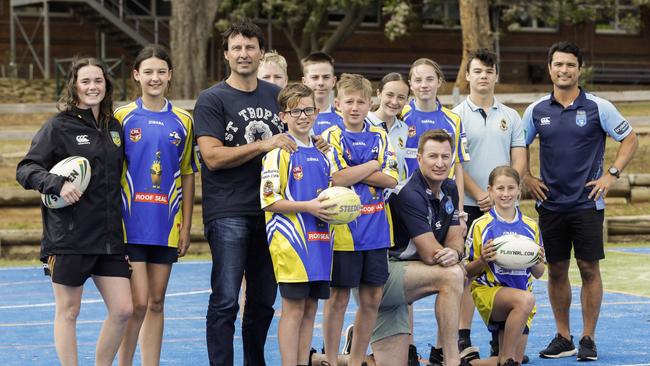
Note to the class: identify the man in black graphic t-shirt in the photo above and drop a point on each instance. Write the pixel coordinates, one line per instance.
(236, 122)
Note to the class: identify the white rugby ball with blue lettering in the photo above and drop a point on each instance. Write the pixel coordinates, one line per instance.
(75, 169)
(515, 251)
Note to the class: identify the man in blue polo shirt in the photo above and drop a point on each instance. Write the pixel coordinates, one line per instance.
(427, 254)
(572, 126)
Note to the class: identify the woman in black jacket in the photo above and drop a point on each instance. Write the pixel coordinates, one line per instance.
(84, 239)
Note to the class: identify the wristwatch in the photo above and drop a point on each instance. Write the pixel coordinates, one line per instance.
(614, 171)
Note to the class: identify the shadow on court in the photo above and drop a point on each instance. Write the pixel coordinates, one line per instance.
(27, 311)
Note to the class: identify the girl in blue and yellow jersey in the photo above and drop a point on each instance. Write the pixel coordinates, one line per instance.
(299, 238)
(425, 112)
(157, 197)
(503, 297)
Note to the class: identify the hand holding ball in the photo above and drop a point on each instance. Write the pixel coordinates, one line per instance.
(346, 205)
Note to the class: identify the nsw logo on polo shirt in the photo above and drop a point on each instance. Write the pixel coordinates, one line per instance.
(581, 118)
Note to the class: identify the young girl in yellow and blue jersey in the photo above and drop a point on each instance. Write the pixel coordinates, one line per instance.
(503, 297)
(363, 160)
(299, 238)
(157, 197)
(425, 112)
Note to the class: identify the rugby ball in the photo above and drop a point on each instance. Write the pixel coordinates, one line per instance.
(348, 204)
(75, 169)
(515, 251)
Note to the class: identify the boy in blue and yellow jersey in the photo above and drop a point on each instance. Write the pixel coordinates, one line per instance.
(162, 143)
(299, 239)
(363, 160)
(503, 297)
(318, 74)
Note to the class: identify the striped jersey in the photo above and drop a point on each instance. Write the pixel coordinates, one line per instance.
(491, 226)
(371, 230)
(300, 243)
(159, 149)
(442, 118)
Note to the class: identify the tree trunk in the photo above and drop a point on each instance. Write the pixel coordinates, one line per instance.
(191, 26)
(475, 24)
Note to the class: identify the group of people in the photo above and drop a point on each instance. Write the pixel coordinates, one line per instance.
(437, 186)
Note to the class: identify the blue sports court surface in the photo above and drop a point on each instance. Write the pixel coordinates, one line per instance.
(27, 311)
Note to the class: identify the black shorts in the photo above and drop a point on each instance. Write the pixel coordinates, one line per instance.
(74, 269)
(151, 253)
(304, 290)
(473, 213)
(350, 269)
(581, 229)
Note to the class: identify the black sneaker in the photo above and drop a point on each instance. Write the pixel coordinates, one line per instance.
(510, 362)
(559, 347)
(525, 360)
(587, 351)
(414, 358)
(469, 354)
(348, 339)
(436, 357)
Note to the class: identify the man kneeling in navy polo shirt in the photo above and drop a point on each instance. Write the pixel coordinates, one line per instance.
(427, 254)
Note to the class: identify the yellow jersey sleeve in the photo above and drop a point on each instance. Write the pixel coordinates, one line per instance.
(274, 173)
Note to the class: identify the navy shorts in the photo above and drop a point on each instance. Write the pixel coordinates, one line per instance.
(304, 290)
(580, 229)
(74, 269)
(369, 267)
(151, 253)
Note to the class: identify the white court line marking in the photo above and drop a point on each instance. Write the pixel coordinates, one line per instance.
(36, 324)
(93, 301)
(23, 282)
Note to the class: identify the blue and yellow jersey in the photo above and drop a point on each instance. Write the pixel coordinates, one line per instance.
(490, 226)
(327, 119)
(371, 230)
(300, 243)
(442, 118)
(159, 148)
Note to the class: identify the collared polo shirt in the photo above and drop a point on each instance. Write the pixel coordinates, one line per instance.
(490, 136)
(417, 210)
(572, 146)
(397, 136)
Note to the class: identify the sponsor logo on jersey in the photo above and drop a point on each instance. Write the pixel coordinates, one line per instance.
(581, 118)
(503, 125)
(372, 208)
(545, 121)
(622, 127)
(400, 142)
(267, 189)
(428, 122)
(358, 143)
(174, 138)
(83, 140)
(313, 159)
(160, 198)
(297, 172)
(157, 123)
(135, 134)
(318, 236)
(116, 138)
(412, 131)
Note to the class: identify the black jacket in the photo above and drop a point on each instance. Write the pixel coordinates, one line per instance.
(94, 224)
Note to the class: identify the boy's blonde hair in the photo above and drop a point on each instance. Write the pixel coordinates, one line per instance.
(354, 82)
(428, 62)
(290, 96)
(272, 57)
